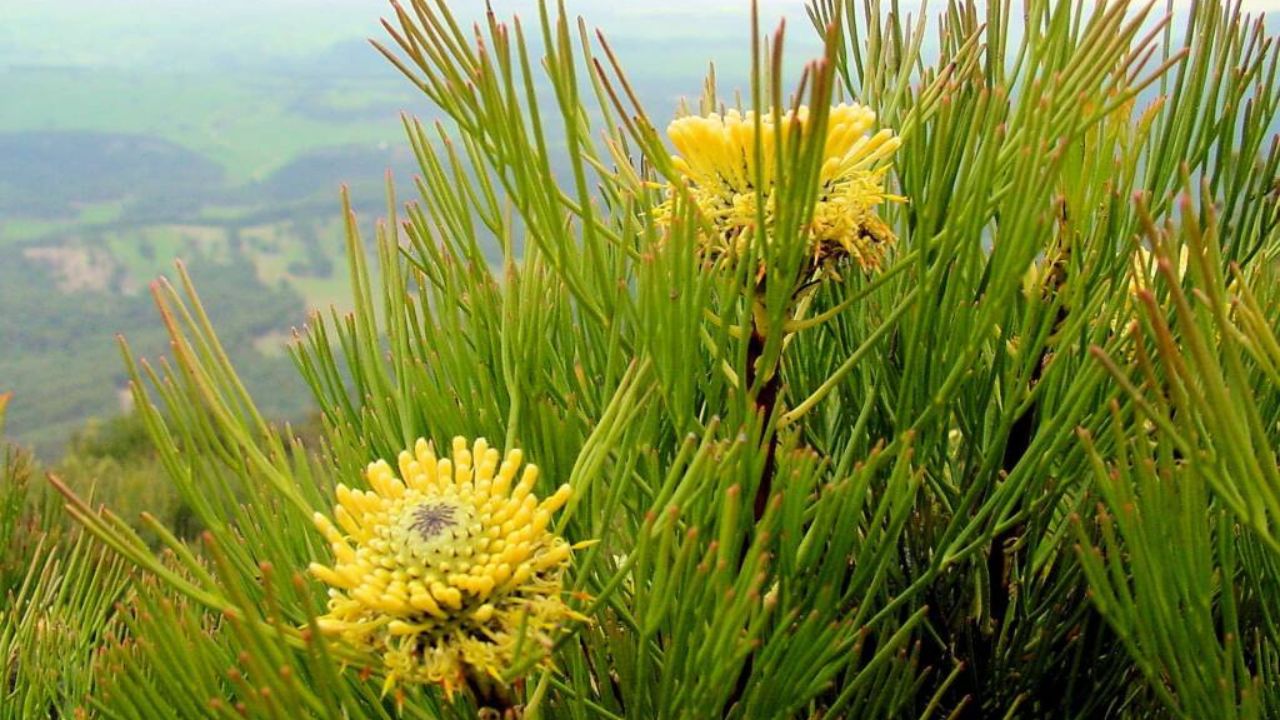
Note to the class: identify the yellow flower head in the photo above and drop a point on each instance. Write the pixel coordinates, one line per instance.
(443, 570)
(717, 159)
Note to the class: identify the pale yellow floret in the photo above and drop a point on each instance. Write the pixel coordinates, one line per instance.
(727, 177)
(439, 568)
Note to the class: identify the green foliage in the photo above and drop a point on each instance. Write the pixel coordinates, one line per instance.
(58, 589)
(53, 624)
(115, 464)
(1183, 554)
(960, 486)
(21, 510)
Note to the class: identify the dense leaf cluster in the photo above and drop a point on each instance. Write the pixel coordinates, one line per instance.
(1026, 468)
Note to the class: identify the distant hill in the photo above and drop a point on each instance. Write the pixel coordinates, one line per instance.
(136, 132)
(53, 173)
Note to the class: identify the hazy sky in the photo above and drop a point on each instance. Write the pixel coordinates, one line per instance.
(202, 34)
(174, 33)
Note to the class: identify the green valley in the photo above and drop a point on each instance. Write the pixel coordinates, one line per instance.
(135, 133)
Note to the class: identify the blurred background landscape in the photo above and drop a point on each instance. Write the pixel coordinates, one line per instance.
(137, 132)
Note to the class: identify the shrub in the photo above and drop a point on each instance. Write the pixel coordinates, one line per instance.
(941, 385)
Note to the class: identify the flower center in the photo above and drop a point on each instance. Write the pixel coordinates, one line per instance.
(431, 529)
(430, 519)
